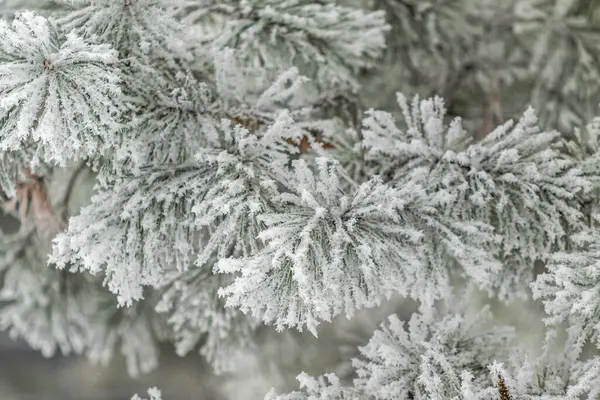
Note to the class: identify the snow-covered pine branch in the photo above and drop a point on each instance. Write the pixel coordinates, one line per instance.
(559, 372)
(327, 252)
(330, 251)
(199, 114)
(163, 119)
(60, 95)
(570, 288)
(137, 29)
(150, 215)
(136, 229)
(243, 185)
(427, 34)
(562, 57)
(207, 189)
(327, 387)
(511, 177)
(427, 356)
(448, 356)
(325, 41)
(432, 356)
(56, 311)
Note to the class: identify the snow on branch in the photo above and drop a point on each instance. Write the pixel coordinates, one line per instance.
(327, 252)
(59, 95)
(136, 29)
(135, 229)
(570, 289)
(432, 356)
(513, 176)
(165, 118)
(172, 120)
(242, 184)
(326, 41)
(164, 218)
(327, 387)
(425, 357)
(555, 33)
(555, 374)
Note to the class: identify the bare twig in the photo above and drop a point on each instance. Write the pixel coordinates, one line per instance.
(32, 205)
(502, 389)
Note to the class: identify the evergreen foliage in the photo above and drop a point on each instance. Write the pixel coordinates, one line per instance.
(263, 164)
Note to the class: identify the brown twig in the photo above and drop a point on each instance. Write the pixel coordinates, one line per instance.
(503, 389)
(32, 205)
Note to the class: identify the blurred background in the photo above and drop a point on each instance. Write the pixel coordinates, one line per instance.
(279, 357)
(276, 361)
